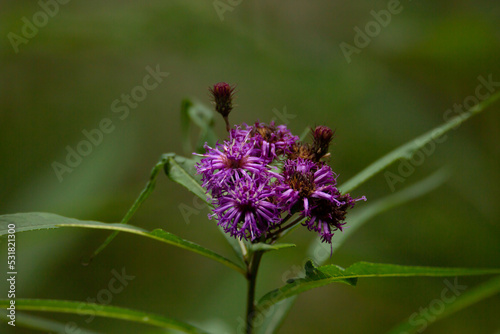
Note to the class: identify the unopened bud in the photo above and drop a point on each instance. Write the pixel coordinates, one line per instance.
(322, 136)
(223, 98)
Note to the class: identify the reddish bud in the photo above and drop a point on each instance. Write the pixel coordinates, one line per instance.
(222, 94)
(322, 136)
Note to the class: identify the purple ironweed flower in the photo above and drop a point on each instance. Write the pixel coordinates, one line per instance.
(222, 94)
(327, 217)
(227, 160)
(269, 141)
(249, 195)
(272, 140)
(304, 181)
(310, 189)
(246, 210)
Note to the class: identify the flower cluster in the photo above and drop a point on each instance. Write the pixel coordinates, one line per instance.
(241, 180)
(262, 172)
(262, 175)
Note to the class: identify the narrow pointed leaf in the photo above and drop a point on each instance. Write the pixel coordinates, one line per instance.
(38, 220)
(107, 311)
(320, 276)
(407, 150)
(146, 192)
(42, 324)
(472, 296)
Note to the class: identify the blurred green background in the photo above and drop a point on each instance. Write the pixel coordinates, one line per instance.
(282, 55)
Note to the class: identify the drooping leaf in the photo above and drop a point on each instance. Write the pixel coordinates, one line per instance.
(407, 150)
(38, 220)
(320, 276)
(415, 324)
(107, 311)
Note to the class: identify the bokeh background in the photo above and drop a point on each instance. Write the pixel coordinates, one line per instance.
(282, 55)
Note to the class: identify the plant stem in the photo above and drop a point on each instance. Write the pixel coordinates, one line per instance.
(275, 235)
(252, 279)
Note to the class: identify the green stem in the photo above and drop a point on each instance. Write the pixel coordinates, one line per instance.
(276, 234)
(253, 268)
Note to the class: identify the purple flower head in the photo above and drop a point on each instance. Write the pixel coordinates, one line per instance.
(327, 217)
(310, 189)
(247, 209)
(272, 140)
(269, 142)
(222, 163)
(305, 181)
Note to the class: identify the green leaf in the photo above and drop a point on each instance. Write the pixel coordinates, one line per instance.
(483, 291)
(201, 116)
(38, 220)
(107, 311)
(358, 217)
(146, 192)
(407, 150)
(42, 324)
(320, 276)
(183, 171)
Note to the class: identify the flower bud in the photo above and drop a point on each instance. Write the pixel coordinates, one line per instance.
(222, 94)
(322, 136)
